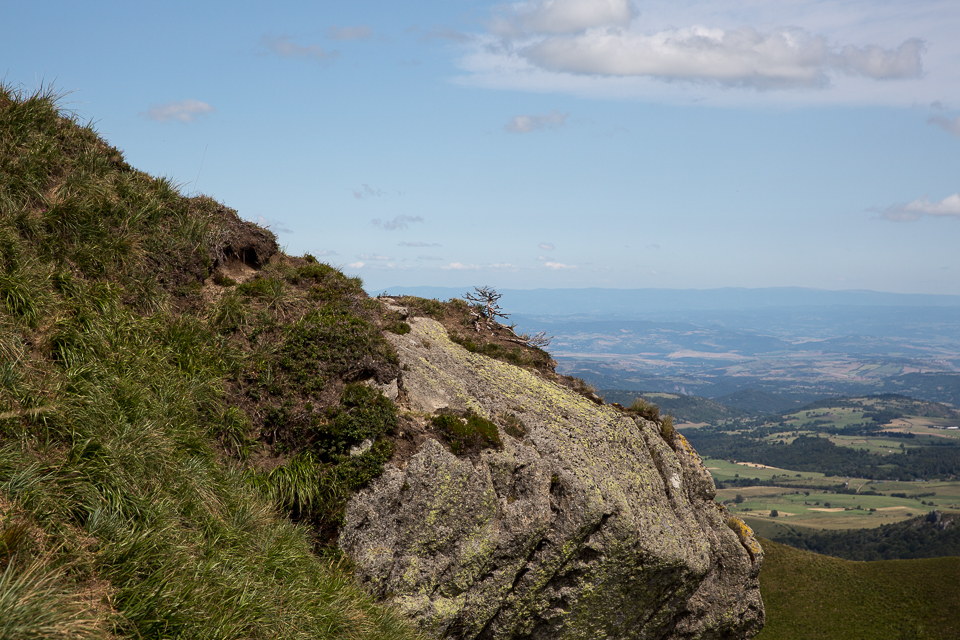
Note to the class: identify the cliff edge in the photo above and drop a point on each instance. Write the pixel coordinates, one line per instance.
(584, 523)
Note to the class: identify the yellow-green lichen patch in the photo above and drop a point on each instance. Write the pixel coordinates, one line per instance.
(745, 535)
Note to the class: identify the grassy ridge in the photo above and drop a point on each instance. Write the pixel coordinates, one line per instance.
(809, 596)
(150, 442)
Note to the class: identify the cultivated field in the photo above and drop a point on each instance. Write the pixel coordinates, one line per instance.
(803, 499)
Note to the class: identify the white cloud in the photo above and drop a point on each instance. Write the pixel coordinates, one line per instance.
(949, 207)
(325, 252)
(371, 256)
(556, 266)
(526, 124)
(285, 47)
(355, 265)
(419, 244)
(779, 59)
(562, 16)
(797, 52)
(366, 191)
(948, 124)
(273, 225)
(400, 222)
(361, 32)
(181, 111)
(457, 266)
(547, 246)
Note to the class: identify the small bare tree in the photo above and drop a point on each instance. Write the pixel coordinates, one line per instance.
(540, 340)
(485, 305)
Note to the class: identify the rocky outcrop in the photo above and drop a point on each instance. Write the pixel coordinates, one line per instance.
(586, 525)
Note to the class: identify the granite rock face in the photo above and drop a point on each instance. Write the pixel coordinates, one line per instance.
(588, 526)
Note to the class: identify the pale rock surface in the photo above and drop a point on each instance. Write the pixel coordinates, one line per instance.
(588, 527)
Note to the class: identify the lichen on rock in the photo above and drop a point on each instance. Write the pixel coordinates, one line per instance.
(588, 526)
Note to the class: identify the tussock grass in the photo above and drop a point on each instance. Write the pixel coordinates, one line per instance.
(131, 404)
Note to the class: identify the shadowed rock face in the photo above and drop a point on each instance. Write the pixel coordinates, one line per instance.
(589, 526)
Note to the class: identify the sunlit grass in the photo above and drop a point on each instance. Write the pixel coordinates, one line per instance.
(125, 510)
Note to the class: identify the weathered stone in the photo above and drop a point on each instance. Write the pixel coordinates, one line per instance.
(591, 526)
(390, 389)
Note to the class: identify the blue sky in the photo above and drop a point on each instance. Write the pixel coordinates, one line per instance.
(551, 143)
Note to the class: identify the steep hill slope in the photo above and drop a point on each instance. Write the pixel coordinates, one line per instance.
(809, 596)
(153, 410)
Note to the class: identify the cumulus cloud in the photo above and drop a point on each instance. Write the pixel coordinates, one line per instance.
(285, 47)
(325, 252)
(400, 222)
(562, 16)
(355, 265)
(361, 32)
(605, 47)
(526, 124)
(951, 125)
(418, 244)
(366, 191)
(373, 256)
(783, 58)
(949, 207)
(547, 246)
(556, 266)
(182, 111)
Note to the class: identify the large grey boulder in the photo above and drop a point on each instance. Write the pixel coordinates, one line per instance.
(588, 526)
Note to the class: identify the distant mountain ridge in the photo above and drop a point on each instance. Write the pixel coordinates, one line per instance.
(638, 302)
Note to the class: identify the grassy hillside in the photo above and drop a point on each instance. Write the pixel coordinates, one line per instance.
(171, 388)
(809, 596)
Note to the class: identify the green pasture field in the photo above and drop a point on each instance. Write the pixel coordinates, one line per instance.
(839, 416)
(800, 504)
(925, 427)
(809, 596)
(726, 470)
(878, 445)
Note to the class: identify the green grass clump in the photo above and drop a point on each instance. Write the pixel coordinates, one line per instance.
(431, 308)
(400, 328)
(521, 357)
(468, 434)
(667, 430)
(645, 409)
(363, 414)
(329, 341)
(129, 507)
